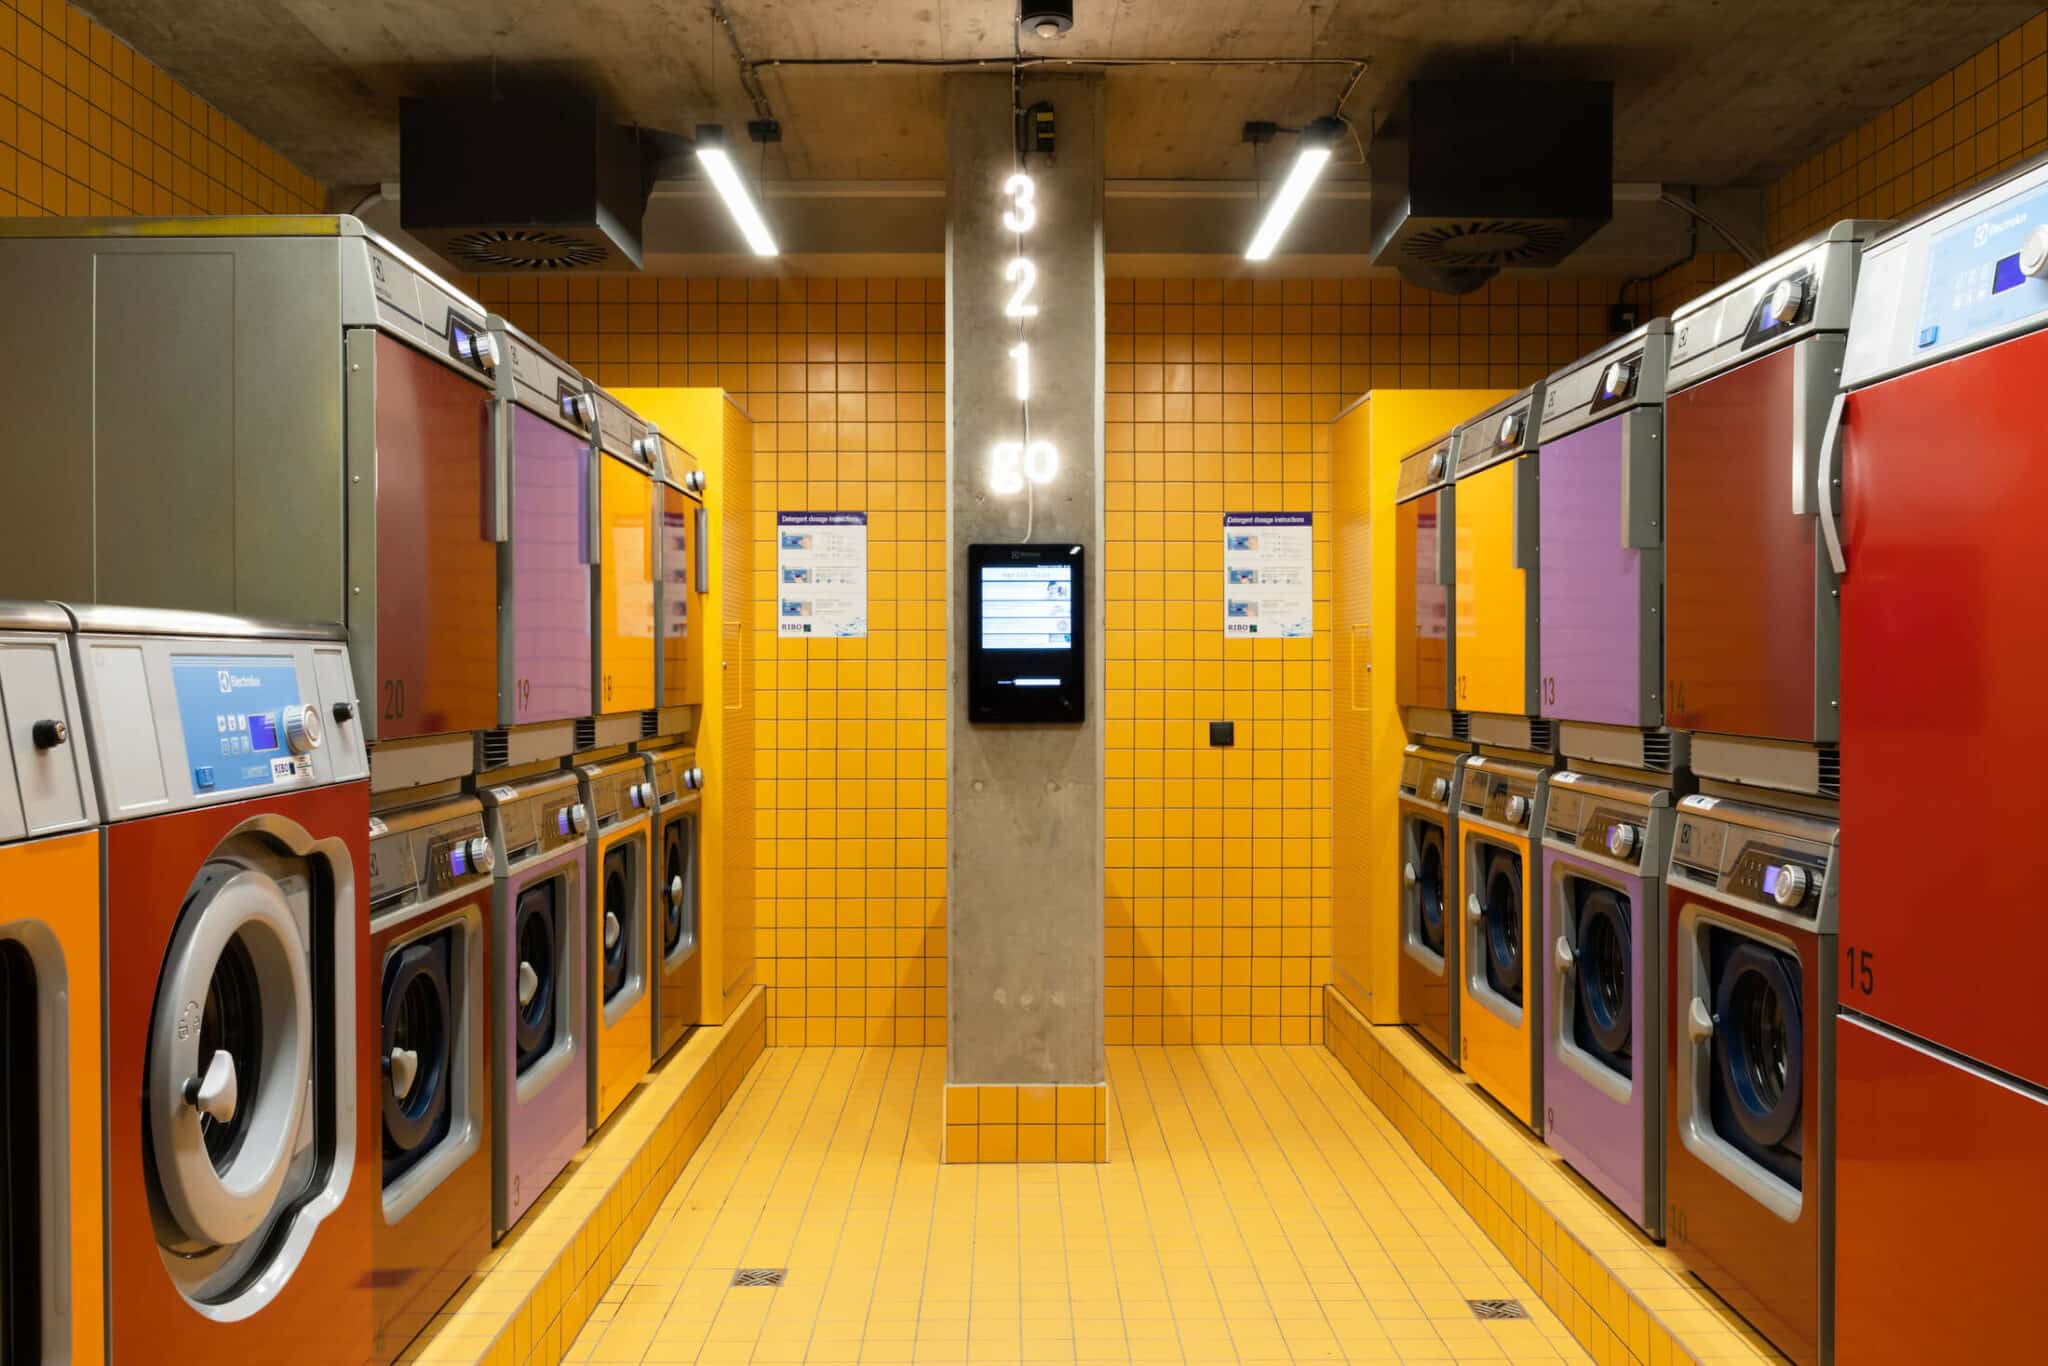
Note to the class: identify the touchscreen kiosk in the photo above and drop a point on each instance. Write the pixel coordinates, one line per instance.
(1026, 643)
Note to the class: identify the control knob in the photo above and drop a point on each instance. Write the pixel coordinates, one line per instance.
(1614, 382)
(1440, 789)
(480, 856)
(1790, 888)
(582, 409)
(694, 481)
(693, 778)
(49, 734)
(1781, 305)
(1517, 809)
(344, 711)
(644, 448)
(301, 729)
(2034, 253)
(485, 348)
(1436, 465)
(579, 818)
(1510, 430)
(1621, 839)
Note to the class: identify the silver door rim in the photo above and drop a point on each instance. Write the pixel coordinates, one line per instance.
(224, 1208)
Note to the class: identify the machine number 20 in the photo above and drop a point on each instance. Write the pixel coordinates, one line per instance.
(394, 699)
(1859, 969)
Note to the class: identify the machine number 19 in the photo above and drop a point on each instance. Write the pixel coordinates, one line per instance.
(1860, 970)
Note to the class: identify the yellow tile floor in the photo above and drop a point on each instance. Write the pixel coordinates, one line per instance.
(1255, 1207)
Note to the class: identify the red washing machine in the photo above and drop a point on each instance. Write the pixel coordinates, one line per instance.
(233, 780)
(1750, 637)
(1931, 495)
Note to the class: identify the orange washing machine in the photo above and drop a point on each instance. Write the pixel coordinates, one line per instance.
(1429, 895)
(1495, 582)
(1500, 1007)
(617, 799)
(683, 574)
(1423, 569)
(676, 885)
(623, 503)
(52, 1267)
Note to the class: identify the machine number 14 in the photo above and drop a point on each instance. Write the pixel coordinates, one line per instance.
(1860, 971)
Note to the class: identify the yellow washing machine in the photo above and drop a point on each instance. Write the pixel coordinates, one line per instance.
(52, 1266)
(1500, 984)
(623, 506)
(617, 799)
(1495, 581)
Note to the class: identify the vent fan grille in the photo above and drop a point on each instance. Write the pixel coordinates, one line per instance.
(524, 249)
(1486, 242)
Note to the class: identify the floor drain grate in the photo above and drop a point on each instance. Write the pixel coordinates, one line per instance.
(1498, 1309)
(774, 1275)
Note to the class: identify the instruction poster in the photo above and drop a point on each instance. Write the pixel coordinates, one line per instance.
(821, 574)
(1269, 581)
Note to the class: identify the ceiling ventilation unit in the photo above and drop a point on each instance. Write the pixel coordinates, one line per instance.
(1469, 177)
(516, 183)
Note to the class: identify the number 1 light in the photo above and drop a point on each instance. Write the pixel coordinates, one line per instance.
(1312, 154)
(1020, 357)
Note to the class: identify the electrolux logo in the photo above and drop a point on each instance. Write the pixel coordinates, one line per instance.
(231, 681)
(1987, 231)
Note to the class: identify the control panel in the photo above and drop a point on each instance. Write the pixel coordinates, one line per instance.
(428, 852)
(680, 468)
(409, 302)
(615, 791)
(1502, 432)
(1972, 273)
(1625, 822)
(1625, 374)
(535, 819)
(676, 775)
(1803, 291)
(624, 434)
(1782, 862)
(45, 773)
(536, 381)
(182, 720)
(1502, 791)
(1429, 776)
(1426, 469)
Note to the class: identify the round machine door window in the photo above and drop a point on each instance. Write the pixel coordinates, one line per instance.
(536, 969)
(618, 923)
(230, 1056)
(417, 1044)
(1502, 923)
(1758, 1036)
(1429, 889)
(676, 930)
(1603, 1020)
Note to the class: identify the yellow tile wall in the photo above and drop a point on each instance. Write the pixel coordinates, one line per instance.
(1027, 1123)
(845, 383)
(89, 126)
(1219, 396)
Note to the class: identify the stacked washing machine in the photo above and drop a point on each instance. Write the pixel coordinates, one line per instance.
(1505, 785)
(1611, 811)
(1752, 669)
(52, 1261)
(1930, 497)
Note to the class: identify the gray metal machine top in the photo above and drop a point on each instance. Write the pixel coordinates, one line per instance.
(46, 784)
(1502, 432)
(1627, 373)
(1794, 295)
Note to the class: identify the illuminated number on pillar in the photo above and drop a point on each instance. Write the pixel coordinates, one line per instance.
(1020, 357)
(1023, 211)
(1041, 462)
(1006, 467)
(1021, 273)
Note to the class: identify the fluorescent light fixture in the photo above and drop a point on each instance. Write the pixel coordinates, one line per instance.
(1312, 154)
(717, 164)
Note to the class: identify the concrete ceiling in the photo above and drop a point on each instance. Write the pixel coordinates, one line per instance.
(1708, 92)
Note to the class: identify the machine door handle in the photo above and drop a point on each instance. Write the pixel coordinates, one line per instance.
(1699, 1023)
(215, 1095)
(593, 477)
(404, 1067)
(611, 930)
(529, 983)
(1827, 479)
(1565, 960)
(675, 890)
(703, 551)
(1407, 875)
(1474, 911)
(498, 474)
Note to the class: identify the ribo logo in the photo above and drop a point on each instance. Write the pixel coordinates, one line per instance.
(1987, 231)
(231, 681)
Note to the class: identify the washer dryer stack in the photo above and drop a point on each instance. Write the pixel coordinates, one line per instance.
(231, 768)
(622, 507)
(1495, 626)
(52, 1266)
(430, 1071)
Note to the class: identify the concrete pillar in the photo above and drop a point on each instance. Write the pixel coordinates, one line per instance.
(1024, 1052)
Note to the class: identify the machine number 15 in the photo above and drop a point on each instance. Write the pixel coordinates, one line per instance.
(1860, 971)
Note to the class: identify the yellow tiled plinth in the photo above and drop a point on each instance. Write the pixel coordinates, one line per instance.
(1631, 1302)
(1027, 1123)
(1258, 1210)
(540, 1284)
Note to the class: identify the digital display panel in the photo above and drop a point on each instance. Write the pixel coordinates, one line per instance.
(1771, 879)
(1026, 627)
(2007, 274)
(262, 732)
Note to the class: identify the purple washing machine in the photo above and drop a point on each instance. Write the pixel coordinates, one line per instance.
(539, 512)
(539, 831)
(1604, 846)
(1600, 522)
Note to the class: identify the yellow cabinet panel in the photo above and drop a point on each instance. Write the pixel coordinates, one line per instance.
(1493, 591)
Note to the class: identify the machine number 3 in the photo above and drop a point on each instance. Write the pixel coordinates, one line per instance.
(1862, 970)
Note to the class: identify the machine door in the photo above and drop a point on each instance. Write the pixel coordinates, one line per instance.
(1426, 917)
(550, 588)
(682, 627)
(1756, 1076)
(1948, 1157)
(1590, 591)
(21, 1166)
(1492, 591)
(622, 925)
(1423, 601)
(1603, 967)
(1945, 480)
(1739, 563)
(437, 576)
(417, 1054)
(678, 889)
(540, 987)
(625, 588)
(1500, 894)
